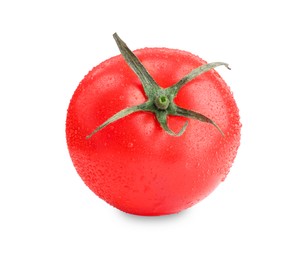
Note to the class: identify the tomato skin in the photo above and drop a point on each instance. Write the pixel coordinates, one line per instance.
(132, 163)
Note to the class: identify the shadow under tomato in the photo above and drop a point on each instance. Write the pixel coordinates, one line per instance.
(153, 219)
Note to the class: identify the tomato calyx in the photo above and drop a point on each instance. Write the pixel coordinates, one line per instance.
(160, 101)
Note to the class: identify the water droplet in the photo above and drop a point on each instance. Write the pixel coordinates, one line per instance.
(223, 177)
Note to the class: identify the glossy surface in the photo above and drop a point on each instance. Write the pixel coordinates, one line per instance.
(132, 163)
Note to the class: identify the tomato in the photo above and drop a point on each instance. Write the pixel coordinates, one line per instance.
(165, 155)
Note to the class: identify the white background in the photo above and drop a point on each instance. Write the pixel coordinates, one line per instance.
(47, 212)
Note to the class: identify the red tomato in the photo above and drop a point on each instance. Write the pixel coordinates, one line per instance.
(133, 163)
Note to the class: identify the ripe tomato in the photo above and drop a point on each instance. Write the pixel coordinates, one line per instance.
(150, 161)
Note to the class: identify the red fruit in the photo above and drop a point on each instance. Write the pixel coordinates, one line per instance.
(145, 160)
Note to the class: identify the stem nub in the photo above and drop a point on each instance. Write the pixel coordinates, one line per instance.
(160, 100)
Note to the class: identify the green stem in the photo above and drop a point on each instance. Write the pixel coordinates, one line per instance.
(134, 63)
(162, 119)
(191, 114)
(123, 113)
(194, 73)
(160, 100)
